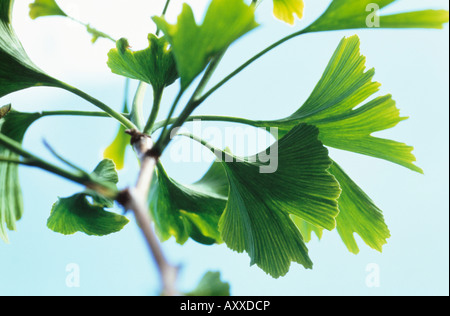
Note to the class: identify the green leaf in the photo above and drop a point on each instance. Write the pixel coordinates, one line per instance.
(17, 71)
(344, 14)
(77, 214)
(41, 8)
(194, 46)
(154, 65)
(335, 108)
(358, 214)
(286, 10)
(257, 217)
(187, 211)
(307, 229)
(14, 125)
(211, 285)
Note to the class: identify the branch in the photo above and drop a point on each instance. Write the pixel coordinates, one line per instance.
(136, 200)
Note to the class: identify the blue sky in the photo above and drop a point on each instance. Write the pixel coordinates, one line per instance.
(412, 65)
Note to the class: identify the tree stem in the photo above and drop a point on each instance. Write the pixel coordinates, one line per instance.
(136, 200)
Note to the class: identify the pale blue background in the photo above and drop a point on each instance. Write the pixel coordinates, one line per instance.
(411, 64)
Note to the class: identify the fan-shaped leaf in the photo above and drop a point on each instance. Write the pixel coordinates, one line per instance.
(257, 217)
(195, 45)
(286, 10)
(345, 14)
(17, 71)
(335, 108)
(76, 214)
(41, 8)
(154, 65)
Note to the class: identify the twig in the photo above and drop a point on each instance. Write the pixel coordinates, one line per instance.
(136, 200)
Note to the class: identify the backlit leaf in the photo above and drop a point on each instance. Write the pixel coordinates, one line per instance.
(154, 65)
(335, 108)
(345, 14)
(286, 10)
(195, 45)
(41, 8)
(117, 149)
(257, 217)
(358, 214)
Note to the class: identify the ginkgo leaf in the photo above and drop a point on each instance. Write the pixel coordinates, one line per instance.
(335, 108)
(195, 45)
(17, 71)
(41, 8)
(344, 14)
(117, 149)
(14, 125)
(286, 10)
(211, 285)
(186, 211)
(257, 217)
(154, 65)
(358, 214)
(307, 229)
(77, 214)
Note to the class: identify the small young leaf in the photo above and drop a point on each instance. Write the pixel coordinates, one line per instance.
(14, 125)
(286, 10)
(117, 149)
(154, 65)
(344, 14)
(195, 45)
(257, 217)
(17, 71)
(76, 214)
(187, 211)
(211, 285)
(41, 8)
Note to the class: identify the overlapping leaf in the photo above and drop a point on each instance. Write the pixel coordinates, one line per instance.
(188, 211)
(154, 65)
(14, 125)
(195, 45)
(41, 8)
(358, 214)
(17, 71)
(335, 108)
(77, 214)
(345, 14)
(257, 217)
